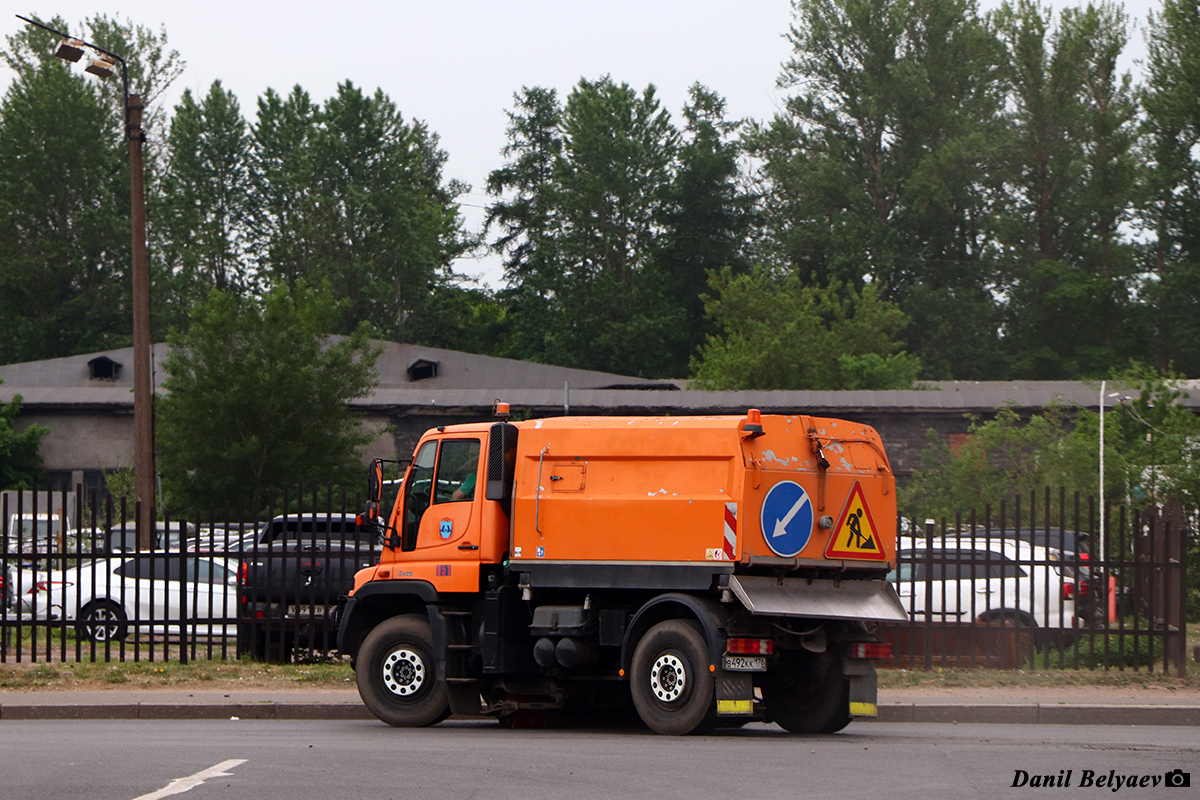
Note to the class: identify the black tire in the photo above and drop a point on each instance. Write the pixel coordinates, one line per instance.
(397, 676)
(103, 621)
(1022, 626)
(814, 698)
(673, 690)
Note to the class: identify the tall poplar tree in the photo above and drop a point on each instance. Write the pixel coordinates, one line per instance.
(207, 203)
(878, 169)
(1067, 270)
(1172, 207)
(355, 196)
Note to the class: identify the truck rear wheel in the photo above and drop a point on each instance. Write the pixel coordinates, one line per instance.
(816, 699)
(397, 677)
(672, 687)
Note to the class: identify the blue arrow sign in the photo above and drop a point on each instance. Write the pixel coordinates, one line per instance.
(787, 518)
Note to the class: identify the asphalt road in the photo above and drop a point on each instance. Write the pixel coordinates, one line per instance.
(307, 760)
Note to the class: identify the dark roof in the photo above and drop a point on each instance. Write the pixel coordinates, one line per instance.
(68, 381)
(469, 381)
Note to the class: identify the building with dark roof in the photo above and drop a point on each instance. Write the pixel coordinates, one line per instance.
(87, 403)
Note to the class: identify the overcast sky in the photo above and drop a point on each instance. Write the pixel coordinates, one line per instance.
(456, 65)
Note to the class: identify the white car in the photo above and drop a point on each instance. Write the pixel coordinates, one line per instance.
(998, 580)
(109, 596)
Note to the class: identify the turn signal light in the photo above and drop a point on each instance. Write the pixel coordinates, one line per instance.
(758, 647)
(870, 650)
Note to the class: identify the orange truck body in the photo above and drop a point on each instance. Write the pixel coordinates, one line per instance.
(596, 533)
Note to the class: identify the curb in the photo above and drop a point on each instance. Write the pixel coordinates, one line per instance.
(161, 711)
(1041, 714)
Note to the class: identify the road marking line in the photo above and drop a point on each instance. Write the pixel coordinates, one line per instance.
(181, 785)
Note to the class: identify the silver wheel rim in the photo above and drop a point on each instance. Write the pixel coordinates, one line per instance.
(403, 672)
(668, 678)
(103, 624)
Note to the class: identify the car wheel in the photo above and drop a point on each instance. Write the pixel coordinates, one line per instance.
(813, 698)
(1025, 631)
(673, 689)
(397, 676)
(103, 621)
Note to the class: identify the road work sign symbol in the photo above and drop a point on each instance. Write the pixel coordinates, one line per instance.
(856, 536)
(787, 518)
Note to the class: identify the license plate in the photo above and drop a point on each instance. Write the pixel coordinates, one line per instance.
(746, 663)
(308, 611)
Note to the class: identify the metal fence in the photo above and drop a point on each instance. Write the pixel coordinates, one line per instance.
(213, 590)
(1011, 592)
(1014, 592)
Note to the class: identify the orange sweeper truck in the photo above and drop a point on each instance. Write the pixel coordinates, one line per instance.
(707, 570)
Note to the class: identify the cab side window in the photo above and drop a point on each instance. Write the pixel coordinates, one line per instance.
(418, 492)
(457, 470)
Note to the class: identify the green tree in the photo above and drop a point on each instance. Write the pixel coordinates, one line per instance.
(1172, 205)
(20, 459)
(257, 399)
(526, 222)
(598, 212)
(878, 169)
(1004, 458)
(359, 202)
(208, 202)
(281, 177)
(64, 200)
(778, 333)
(1070, 165)
(708, 219)
(64, 192)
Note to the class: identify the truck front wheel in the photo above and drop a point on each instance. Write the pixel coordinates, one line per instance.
(672, 687)
(396, 674)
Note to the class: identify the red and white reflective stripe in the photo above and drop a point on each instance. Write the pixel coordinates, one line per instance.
(730, 530)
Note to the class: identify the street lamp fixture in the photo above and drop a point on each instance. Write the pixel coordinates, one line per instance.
(103, 64)
(68, 49)
(100, 67)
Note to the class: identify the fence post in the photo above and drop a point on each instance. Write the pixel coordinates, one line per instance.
(1175, 602)
(184, 586)
(927, 639)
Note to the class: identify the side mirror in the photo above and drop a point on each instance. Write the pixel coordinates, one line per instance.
(501, 465)
(375, 481)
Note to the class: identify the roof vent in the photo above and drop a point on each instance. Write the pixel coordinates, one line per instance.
(104, 368)
(422, 369)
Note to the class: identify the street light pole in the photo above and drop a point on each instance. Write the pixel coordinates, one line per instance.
(143, 399)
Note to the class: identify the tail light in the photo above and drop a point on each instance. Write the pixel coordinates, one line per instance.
(758, 647)
(869, 650)
(243, 572)
(45, 586)
(1083, 589)
(1068, 590)
(1084, 557)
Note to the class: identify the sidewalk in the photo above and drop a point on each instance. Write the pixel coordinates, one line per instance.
(1077, 705)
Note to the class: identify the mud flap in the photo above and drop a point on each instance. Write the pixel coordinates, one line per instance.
(735, 694)
(864, 687)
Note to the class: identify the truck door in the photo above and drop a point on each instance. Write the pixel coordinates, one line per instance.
(441, 498)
